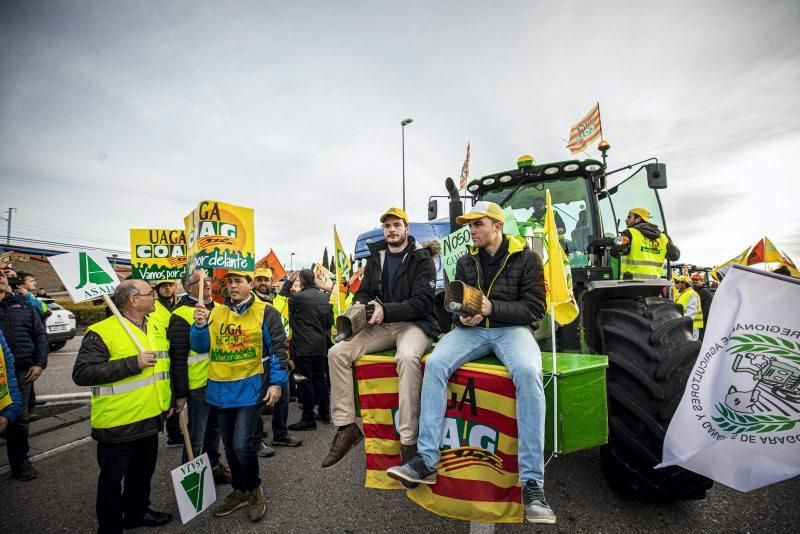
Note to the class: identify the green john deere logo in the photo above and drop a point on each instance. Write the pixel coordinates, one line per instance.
(90, 272)
(193, 486)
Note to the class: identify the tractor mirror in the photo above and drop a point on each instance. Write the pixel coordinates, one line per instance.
(656, 175)
(433, 209)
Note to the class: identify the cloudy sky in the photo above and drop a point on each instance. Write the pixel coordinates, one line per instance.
(125, 114)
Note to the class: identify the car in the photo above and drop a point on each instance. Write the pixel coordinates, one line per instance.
(61, 325)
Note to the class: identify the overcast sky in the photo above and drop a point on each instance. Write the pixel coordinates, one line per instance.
(125, 114)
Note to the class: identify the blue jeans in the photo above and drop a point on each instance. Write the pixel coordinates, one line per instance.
(239, 427)
(203, 427)
(516, 348)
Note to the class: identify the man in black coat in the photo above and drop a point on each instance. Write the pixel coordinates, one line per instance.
(400, 282)
(27, 340)
(511, 278)
(310, 319)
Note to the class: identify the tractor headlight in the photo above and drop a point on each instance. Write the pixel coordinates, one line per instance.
(551, 170)
(570, 167)
(505, 178)
(473, 188)
(593, 167)
(488, 181)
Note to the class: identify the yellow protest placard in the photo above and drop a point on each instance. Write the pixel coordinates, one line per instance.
(158, 254)
(221, 236)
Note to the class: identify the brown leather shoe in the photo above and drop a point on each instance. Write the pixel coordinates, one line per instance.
(343, 441)
(257, 505)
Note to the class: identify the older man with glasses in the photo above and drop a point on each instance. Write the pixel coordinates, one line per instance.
(130, 397)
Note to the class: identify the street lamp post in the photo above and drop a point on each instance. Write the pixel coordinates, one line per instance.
(403, 125)
(291, 261)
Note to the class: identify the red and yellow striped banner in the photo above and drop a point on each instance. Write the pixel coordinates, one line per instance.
(478, 476)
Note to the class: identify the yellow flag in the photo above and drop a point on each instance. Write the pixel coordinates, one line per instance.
(557, 274)
(343, 267)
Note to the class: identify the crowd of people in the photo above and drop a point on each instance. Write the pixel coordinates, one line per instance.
(228, 364)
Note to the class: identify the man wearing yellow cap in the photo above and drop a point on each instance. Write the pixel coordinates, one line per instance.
(689, 300)
(246, 344)
(262, 284)
(400, 282)
(511, 278)
(642, 248)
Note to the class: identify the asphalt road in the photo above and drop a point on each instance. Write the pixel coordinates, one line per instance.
(302, 497)
(57, 378)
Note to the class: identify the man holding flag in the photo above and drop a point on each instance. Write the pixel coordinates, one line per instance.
(512, 279)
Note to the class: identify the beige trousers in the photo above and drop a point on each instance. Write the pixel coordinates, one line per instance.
(411, 343)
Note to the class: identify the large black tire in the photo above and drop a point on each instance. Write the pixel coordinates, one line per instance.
(651, 354)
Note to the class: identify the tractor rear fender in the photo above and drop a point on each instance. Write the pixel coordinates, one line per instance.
(601, 290)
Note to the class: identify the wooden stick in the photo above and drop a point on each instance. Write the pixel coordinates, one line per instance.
(201, 289)
(187, 442)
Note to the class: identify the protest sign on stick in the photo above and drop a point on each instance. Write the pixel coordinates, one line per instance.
(194, 486)
(220, 236)
(158, 254)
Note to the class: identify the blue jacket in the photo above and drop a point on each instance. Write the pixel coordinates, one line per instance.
(13, 410)
(251, 390)
(38, 306)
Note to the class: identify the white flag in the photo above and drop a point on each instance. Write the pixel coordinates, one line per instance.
(739, 419)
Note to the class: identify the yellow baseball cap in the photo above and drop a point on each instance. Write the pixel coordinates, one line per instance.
(482, 208)
(246, 274)
(641, 212)
(395, 212)
(264, 271)
(683, 278)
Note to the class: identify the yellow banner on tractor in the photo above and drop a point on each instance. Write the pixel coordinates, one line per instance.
(158, 254)
(221, 236)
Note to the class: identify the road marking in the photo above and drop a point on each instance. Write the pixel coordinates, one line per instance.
(52, 452)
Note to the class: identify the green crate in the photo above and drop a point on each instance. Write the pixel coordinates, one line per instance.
(582, 408)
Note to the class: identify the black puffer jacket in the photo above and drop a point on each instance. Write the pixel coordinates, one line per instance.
(178, 335)
(24, 333)
(414, 286)
(517, 293)
(310, 318)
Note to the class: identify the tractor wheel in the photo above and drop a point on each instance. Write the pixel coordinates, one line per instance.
(651, 354)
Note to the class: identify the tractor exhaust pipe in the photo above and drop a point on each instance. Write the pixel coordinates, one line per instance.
(456, 208)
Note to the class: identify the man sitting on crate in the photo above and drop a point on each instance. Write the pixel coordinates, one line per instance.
(511, 278)
(400, 281)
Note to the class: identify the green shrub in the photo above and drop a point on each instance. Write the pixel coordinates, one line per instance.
(86, 313)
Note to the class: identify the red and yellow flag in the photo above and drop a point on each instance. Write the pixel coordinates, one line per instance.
(462, 184)
(585, 130)
(478, 474)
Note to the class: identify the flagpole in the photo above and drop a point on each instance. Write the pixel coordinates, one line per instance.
(600, 120)
(554, 377)
(336, 263)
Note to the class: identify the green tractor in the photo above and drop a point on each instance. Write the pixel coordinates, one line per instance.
(645, 335)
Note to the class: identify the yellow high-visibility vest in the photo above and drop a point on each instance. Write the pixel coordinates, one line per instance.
(683, 300)
(137, 397)
(236, 342)
(646, 259)
(197, 363)
(5, 392)
(160, 315)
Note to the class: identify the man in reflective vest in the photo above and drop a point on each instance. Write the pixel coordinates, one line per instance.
(130, 397)
(642, 248)
(247, 365)
(166, 301)
(189, 372)
(690, 302)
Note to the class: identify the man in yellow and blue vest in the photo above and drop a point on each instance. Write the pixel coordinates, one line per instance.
(130, 398)
(642, 248)
(189, 372)
(689, 300)
(247, 365)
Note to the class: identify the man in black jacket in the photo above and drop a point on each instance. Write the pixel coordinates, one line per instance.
(27, 340)
(400, 281)
(511, 278)
(189, 374)
(310, 319)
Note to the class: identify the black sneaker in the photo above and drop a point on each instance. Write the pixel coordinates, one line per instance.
(324, 419)
(150, 518)
(536, 508)
(407, 452)
(288, 441)
(303, 424)
(264, 450)
(415, 471)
